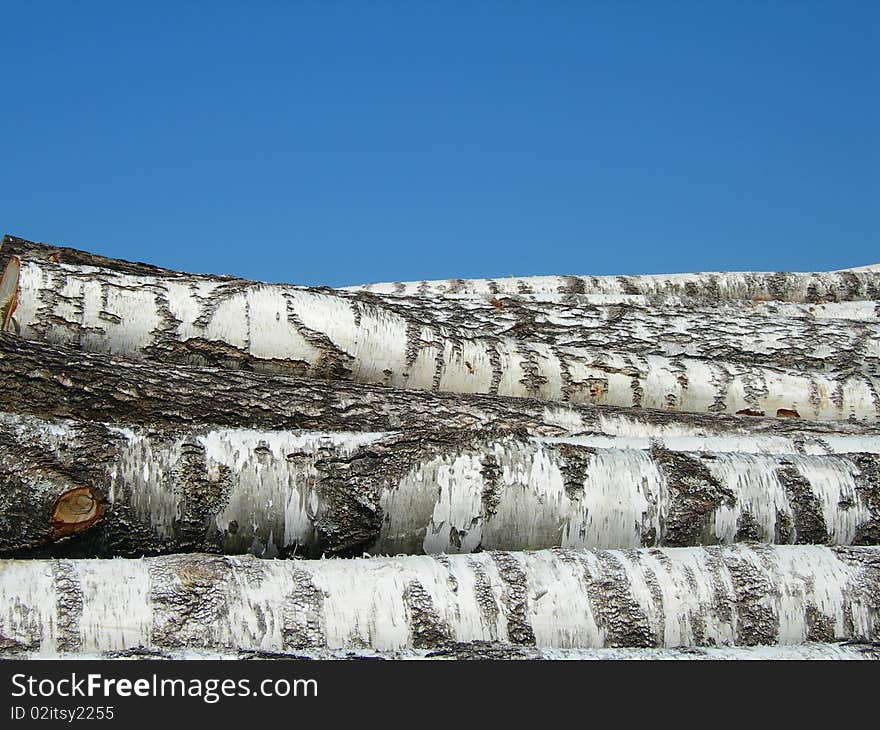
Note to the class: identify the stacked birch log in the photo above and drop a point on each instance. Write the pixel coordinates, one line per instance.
(629, 467)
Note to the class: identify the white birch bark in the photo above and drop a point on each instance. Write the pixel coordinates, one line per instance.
(661, 598)
(443, 346)
(277, 493)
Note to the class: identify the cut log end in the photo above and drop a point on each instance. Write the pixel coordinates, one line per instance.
(9, 292)
(75, 511)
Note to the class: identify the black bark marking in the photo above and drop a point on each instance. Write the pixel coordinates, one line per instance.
(200, 498)
(68, 606)
(189, 598)
(427, 629)
(756, 623)
(485, 598)
(862, 592)
(574, 463)
(492, 487)
(747, 529)
(695, 494)
(615, 607)
(809, 521)
(724, 597)
(519, 628)
(333, 362)
(819, 626)
(868, 490)
(304, 614)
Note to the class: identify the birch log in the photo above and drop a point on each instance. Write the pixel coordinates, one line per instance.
(679, 597)
(278, 493)
(792, 369)
(59, 381)
(853, 284)
(850, 651)
(820, 308)
(861, 283)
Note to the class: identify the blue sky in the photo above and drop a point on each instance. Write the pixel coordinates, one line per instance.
(346, 142)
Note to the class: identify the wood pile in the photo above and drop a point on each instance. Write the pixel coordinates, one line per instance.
(681, 466)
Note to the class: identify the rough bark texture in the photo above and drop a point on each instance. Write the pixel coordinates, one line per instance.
(279, 493)
(43, 500)
(677, 597)
(55, 380)
(21, 247)
(619, 354)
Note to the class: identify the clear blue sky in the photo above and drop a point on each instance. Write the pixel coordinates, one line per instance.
(345, 142)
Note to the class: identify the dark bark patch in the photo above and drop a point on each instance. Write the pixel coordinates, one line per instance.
(863, 591)
(574, 462)
(519, 628)
(756, 623)
(784, 529)
(492, 487)
(809, 521)
(189, 597)
(303, 613)
(485, 598)
(868, 490)
(747, 528)
(694, 496)
(723, 597)
(427, 629)
(201, 352)
(819, 626)
(200, 497)
(616, 611)
(68, 606)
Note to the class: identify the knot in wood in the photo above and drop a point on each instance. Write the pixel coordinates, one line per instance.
(76, 510)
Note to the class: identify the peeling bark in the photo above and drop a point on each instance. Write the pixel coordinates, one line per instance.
(703, 597)
(279, 493)
(618, 354)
